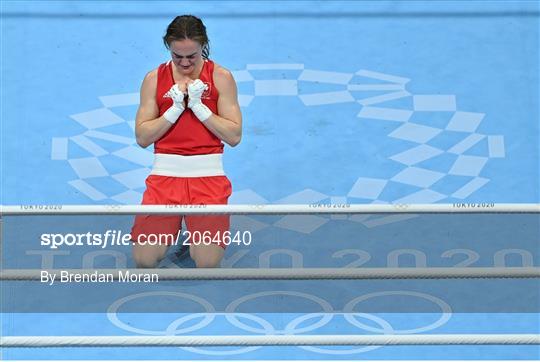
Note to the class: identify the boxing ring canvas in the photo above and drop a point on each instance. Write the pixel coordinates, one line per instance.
(344, 103)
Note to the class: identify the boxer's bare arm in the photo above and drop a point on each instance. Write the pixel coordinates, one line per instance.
(227, 125)
(148, 126)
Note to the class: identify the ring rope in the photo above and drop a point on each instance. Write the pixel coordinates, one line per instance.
(267, 209)
(284, 273)
(269, 340)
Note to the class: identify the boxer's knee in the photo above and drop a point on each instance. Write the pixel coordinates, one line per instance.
(148, 256)
(144, 261)
(207, 257)
(206, 262)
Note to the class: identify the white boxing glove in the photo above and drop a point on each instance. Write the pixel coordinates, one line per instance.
(173, 113)
(195, 92)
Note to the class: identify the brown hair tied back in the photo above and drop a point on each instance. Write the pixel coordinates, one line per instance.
(187, 27)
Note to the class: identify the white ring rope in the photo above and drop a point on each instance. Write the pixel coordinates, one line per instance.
(268, 209)
(270, 340)
(283, 273)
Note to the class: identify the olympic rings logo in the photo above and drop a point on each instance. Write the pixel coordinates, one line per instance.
(112, 207)
(401, 206)
(258, 325)
(258, 206)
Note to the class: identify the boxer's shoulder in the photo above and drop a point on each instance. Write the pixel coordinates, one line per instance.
(223, 77)
(151, 76)
(153, 72)
(149, 84)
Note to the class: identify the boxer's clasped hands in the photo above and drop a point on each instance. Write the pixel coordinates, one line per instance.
(195, 90)
(173, 113)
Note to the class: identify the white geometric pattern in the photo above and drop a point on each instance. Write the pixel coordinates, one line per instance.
(303, 197)
(136, 155)
(425, 196)
(247, 197)
(356, 87)
(496, 146)
(282, 87)
(462, 146)
(325, 77)
(470, 187)
(59, 149)
(88, 167)
(465, 121)
(98, 118)
(109, 137)
(88, 190)
(416, 155)
(418, 177)
(319, 99)
(87, 144)
(132, 179)
(387, 114)
(129, 197)
(119, 100)
(415, 133)
(434, 103)
(301, 223)
(384, 98)
(367, 188)
(468, 165)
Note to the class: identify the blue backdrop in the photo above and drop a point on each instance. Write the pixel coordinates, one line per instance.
(346, 101)
(343, 102)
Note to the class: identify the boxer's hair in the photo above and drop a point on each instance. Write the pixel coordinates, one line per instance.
(188, 27)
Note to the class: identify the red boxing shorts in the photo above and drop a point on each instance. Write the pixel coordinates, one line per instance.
(167, 190)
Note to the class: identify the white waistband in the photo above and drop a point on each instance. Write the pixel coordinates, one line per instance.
(188, 166)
